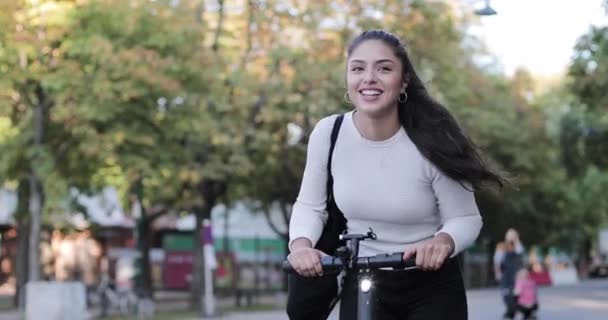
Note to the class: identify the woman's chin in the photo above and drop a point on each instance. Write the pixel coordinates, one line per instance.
(374, 109)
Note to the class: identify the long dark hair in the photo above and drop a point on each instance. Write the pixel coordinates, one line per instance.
(430, 125)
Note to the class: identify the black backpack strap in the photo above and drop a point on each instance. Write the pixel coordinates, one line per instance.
(334, 137)
(330, 193)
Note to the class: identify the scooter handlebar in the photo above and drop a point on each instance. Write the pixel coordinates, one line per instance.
(331, 264)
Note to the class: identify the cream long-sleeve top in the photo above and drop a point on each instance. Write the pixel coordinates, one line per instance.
(386, 185)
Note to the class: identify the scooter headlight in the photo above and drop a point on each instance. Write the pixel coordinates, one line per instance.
(365, 285)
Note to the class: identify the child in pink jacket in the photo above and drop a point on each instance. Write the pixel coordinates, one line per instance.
(526, 292)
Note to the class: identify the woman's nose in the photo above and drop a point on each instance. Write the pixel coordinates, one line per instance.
(369, 76)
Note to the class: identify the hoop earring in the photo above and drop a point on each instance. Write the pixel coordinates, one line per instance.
(347, 98)
(402, 97)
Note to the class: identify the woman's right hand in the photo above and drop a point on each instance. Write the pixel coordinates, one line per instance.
(305, 259)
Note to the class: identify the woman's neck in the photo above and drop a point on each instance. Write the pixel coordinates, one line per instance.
(377, 128)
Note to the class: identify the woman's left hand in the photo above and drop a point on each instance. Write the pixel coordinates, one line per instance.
(431, 253)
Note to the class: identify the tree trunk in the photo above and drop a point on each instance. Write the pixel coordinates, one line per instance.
(36, 189)
(147, 288)
(585, 257)
(35, 206)
(21, 264)
(220, 25)
(143, 225)
(23, 227)
(200, 11)
(226, 248)
(226, 242)
(196, 286)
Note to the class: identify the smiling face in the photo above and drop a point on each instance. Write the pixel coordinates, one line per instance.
(374, 78)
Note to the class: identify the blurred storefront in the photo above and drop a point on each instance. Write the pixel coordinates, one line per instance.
(248, 251)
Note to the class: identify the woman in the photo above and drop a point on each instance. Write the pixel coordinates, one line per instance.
(402, 166)
(510, 236)
(511, 263)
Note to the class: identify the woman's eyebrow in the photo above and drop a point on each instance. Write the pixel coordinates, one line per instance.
(377, 61)
(384, 61)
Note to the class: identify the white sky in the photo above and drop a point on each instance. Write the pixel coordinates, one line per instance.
(538, 34)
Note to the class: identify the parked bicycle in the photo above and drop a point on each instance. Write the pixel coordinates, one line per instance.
(113, 299)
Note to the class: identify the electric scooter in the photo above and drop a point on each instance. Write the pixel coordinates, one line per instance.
(347, 260)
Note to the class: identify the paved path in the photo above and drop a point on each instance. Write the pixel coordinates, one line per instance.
(587, 300)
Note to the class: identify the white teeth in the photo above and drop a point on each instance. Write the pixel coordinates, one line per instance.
(371, 92)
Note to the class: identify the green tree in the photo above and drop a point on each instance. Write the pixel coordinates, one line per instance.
(584, 133)
(125, 84)
(36, 148)
(588, 124)
(135, 83)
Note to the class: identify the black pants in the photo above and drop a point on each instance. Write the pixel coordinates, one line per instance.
(510, 302)
(527, 311)
(411, 295)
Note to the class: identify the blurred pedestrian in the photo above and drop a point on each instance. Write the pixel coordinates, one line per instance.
(513, 236)
(525, 292)
(511, 263)
(499, 254)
